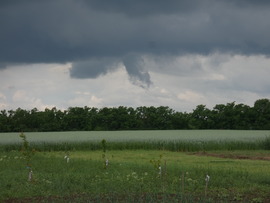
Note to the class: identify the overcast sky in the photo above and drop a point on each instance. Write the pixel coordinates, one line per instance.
(110, 53)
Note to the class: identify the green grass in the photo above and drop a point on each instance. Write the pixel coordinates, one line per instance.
(133, 174)
(130, 176)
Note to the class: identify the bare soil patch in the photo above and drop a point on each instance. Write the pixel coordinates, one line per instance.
(264, 157)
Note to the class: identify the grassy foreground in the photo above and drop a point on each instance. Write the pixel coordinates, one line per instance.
(134, 175)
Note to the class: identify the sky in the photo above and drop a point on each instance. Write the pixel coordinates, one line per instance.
(104, 53)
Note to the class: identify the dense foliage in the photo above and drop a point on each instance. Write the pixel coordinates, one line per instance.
(229, 116)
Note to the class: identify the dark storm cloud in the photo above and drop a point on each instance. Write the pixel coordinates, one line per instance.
(145, 8)
(46, 31)
(92, 68)
(3, 65)
(135, 67)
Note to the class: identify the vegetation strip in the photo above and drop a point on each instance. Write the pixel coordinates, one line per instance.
(222, 116)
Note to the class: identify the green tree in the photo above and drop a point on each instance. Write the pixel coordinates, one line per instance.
(261, 112)
(154, 118)
(76, 118)
(51, 119)
(4, 121)
(180, 120)
(242, 117)
(164, 118)
(224, 116)
(104, 119)
(201, 118)
(20, 120)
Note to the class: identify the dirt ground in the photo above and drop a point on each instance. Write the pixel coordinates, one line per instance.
(265, 157)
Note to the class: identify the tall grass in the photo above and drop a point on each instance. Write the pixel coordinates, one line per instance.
(138, 136)
(172, 140)
(185, 146)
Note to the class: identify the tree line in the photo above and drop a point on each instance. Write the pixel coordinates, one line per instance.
(222, 116)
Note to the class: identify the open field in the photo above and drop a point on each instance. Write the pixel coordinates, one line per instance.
(136, 171)
(132, 176)
(149, 135)
(172, 140)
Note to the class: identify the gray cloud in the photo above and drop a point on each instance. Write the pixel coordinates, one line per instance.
(88, 32)
(145, 8)
(135, 67)
(3, 66)
(92, 68)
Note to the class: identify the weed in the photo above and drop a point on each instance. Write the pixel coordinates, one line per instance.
(28, 153)
(157, 163)
(104, 149)
(207, 178)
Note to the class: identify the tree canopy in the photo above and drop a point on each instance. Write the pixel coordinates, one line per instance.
(222, 116)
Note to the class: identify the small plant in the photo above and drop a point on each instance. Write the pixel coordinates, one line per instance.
(183, 183)
(162, 171)
(207, 179)
(28, 153)
(104, 149)
(157, 163)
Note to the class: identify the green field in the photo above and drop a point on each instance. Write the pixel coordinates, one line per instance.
(151, 135)
(172, 140)
(238, 163)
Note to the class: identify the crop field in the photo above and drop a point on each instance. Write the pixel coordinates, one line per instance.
(149, 135)
(172, 140)
(141, 166)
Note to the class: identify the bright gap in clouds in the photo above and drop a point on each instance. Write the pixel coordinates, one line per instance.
(181, 83)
